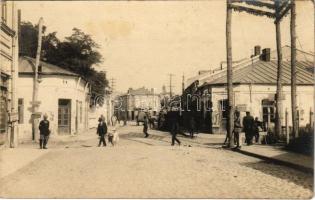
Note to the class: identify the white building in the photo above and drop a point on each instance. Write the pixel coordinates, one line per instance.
(254, 89)
(63, 95)
(8, 73)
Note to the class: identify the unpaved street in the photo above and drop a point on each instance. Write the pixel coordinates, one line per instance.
(151, 168)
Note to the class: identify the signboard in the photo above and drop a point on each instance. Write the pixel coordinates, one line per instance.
(13, 117)
(37, 115)
(241, 107)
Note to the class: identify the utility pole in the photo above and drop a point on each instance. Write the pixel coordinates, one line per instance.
(229, 74)
(278, 124)
(112, 84)
(35, 103)
(183, 84)
(293, 69)
(171, 86)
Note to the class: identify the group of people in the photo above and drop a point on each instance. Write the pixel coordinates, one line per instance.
(174, 122)
(250, 127)
(102, 131)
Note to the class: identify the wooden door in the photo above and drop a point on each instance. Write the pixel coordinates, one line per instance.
(64, 116)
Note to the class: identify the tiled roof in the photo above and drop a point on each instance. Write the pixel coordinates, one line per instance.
(27, 66)
(262, 72)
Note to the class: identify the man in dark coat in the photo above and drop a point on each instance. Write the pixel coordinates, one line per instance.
(101, 131)
(173, 117)
(248, 124)
(44, 132)
(145, 126)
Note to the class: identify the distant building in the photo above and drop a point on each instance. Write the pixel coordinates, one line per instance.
(8, 72)
(254, 83)
(63, 95)
(138, 99)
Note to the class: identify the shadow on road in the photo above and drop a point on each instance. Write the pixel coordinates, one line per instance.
(304, 179)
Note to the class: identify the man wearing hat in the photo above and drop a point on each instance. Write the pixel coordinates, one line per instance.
(44, 132)
(101, 131)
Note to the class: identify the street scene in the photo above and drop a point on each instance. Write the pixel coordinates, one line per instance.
(157, 99)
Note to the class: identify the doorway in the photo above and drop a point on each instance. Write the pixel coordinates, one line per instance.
(64, 116)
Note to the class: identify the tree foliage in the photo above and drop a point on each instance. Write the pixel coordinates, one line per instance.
(77, 53)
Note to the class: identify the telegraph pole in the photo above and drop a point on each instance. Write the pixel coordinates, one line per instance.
(35, 102)
(183, 84)
(112, 80)
(171, 86)
(229, 74)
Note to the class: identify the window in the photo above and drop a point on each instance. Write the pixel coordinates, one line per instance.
(21, 110)
(268, 109)
(224, 108)
(3, 111)
(4, 11)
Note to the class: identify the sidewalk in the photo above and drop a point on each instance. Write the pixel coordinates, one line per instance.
(13, 159)
(278, 155)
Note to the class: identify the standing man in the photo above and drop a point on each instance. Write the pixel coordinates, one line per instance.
(44, 132)
(101, 131)
(248, 124)
(257, 124)
(174, 122)
(145, 126)
(237, 129)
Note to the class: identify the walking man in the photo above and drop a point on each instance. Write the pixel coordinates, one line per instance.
(174, 121)
(145, 126)
(248, 124)
(44, 132)
(101, 131)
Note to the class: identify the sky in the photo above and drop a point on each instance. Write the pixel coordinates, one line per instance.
(143, 41)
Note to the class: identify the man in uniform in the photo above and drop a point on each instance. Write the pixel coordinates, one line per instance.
(44, 132)
(248, 124)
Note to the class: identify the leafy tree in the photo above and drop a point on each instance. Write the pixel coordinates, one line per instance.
(77, 53)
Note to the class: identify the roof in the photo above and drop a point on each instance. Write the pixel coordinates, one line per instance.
(262, 72)
(27, 66)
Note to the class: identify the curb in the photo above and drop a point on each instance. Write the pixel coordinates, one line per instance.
(277, 161)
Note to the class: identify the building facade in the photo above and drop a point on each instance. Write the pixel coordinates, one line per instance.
(129, 105)
(8, 70)
(64, 97)
(254, 89)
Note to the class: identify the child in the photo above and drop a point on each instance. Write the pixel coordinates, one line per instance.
(111, 136)
(116, 136)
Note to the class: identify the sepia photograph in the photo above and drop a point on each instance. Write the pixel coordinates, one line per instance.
(157, 99)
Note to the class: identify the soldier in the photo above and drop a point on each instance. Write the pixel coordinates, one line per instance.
(101, 131)
(44, 132)
(248, 124)
(237, 128)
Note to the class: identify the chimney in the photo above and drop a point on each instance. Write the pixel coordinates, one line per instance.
(265, 56)
(257, 49)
